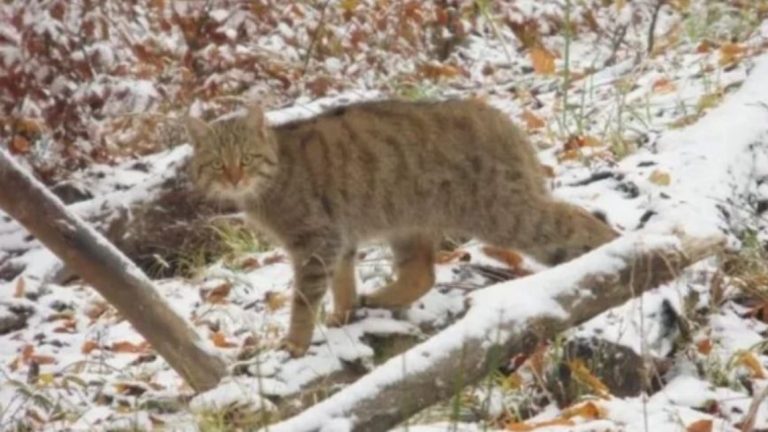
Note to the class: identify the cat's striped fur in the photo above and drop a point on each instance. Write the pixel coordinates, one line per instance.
(404, 171)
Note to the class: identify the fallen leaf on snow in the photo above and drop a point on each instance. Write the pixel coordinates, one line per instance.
(660, 178)
(700, 426)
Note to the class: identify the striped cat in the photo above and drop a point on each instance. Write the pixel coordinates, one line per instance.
(407, 172)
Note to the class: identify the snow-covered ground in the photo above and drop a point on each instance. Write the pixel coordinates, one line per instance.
(676, 143)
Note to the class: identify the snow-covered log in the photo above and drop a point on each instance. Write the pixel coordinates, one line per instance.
(102, 265)
(505, 319)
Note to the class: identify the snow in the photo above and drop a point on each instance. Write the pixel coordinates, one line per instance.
(714, 165)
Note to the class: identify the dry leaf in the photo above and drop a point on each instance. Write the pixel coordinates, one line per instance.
(89, 346)
(437, 71)
(543, 61)
(219, 293)
(750, 361)
(129, 347)
(663, 86)
(704, 346)
(705, 47)
(587, 410)
(532, 121)
(21, 288)
(454, 256)
(731, 53)
(275, 300)
(19, 145)
(585, 376)
(41, 359)
(506, 256)
(704, 425)
(220, 340)
(660, 178)
(524, 427)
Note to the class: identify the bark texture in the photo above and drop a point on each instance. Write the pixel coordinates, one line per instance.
(103, 266)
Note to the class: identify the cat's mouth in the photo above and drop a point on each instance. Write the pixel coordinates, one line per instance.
(228, 190)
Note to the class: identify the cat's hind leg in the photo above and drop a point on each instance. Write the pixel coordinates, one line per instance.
(414, 257)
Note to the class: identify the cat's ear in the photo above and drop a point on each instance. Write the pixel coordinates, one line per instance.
(255, 117)
(196, 129)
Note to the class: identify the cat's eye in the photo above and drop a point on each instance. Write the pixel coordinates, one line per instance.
(249, 158)
(217, 164)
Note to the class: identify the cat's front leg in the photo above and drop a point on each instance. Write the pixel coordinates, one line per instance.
(314, 258)
(343, 289)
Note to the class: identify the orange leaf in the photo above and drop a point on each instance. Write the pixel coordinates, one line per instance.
(704, 47)
(543, 61)
(588, 410)
(129, 347)
(731, 53)
(506, 256)
(524, 427)
(750, 361)
(19, 145)
(89, 346)
(446, 257)
(532, 121)
(704, 346)
(663, 86)
(703, 425)
(220, 340)
(585, 376)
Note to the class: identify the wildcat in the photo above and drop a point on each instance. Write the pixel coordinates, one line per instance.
(407, 172)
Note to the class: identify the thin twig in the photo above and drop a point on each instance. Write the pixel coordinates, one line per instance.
(749, 420)
(652, 27)
(315, 36)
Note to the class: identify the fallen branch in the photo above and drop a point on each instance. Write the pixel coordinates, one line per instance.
(118, 279)
(501, 324)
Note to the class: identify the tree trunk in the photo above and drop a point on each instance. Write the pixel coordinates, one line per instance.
(477, 344)
(118, 279)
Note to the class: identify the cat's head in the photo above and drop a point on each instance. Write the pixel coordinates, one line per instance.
(233, 158)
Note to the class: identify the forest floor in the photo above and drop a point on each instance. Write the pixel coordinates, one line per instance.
(662, 138)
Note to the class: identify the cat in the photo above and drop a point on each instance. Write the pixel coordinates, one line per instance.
(407, 172)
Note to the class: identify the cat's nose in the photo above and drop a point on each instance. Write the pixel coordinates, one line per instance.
(234, 175)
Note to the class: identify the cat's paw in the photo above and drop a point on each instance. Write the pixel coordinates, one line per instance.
(339, 318)
(293, 348)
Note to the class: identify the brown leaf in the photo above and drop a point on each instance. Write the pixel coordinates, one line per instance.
(543, 61)
(275, 300)
(219, 293)
(704, 425)
(704, 346)
(437, 71)
(220, 340)
(506, 256)
(587, 410)
(731, 53)
(129, 347)
(19, 145)
(664, 86)
(41, 359)
(89, 346)
(532, 121)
